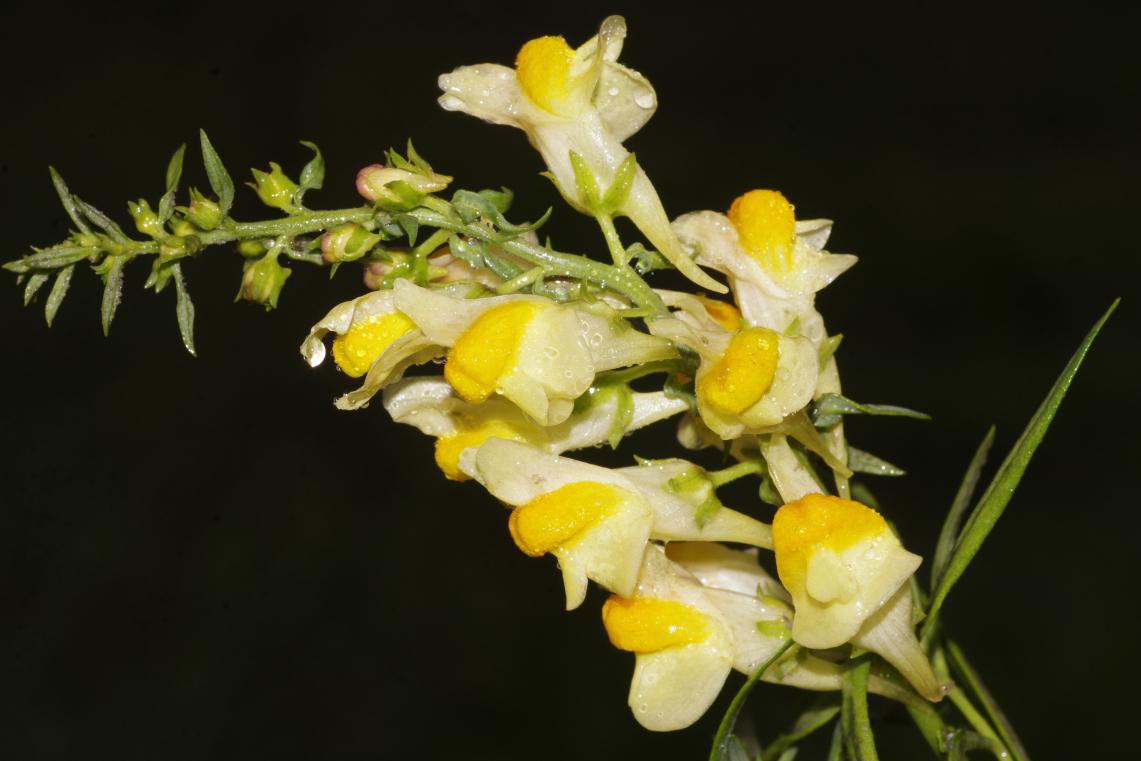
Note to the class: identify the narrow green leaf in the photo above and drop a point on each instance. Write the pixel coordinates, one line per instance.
(183, 308)
(828, 348)
(623, 414)
(585, 181)
(220, 180)
(410, 226)
(50, 258)
(816, 716)
(112, 291)
(68, 201)
(35, 282)
(417, 160)
(313, 173)
(962, 501)
(501, 199)
(174, 168)
(836, 747)
(173, 175)
(102, 221)
(57, 293)
(619, 189)
(862, 494)
(724, 734)
(860, 461)
(858, 739)
(967, 674)
(835, 404)
(1000, 490)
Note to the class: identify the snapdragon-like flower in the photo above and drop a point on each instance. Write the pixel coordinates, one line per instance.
(749, 378)
(433, 406)
(373, 339)
(847, 573)
(595, 520)
(540, 355)
(582, 101)
(775, 263)
(699, 611)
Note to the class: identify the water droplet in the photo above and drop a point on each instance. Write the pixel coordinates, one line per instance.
(551, 352)
(596, 339)
(612, 92)
(642, 99)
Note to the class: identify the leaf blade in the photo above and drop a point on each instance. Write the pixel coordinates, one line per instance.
(220, 181)
(1001, 488)
(57, 293)
(183, 309)
(112, 292)
(724, 735)
(68, 200)
(959, 505)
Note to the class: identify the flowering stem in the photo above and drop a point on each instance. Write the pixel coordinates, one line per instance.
(721, 477)
(613, 242)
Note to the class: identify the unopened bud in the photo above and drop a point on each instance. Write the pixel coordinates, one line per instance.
(181, 227)
(347, 242)
(146, 221)
(372, 182)
(251, 248)
(203, 212)
(263, 279)
(275, 189)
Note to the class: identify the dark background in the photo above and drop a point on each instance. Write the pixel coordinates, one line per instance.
(202, 558)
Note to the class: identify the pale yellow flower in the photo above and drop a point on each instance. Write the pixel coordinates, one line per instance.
(847, 573)
(597, 521)
(459, 426)
(576, 100)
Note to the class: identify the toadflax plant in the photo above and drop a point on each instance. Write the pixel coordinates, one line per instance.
(511, 353)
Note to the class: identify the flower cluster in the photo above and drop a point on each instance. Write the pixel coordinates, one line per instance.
(531, 374)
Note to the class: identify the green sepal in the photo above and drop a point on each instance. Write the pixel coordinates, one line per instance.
(586, 183)
(403, 197)
(828, 348)
(1001, 488)
(860, 461)
(410, 226)
(57, 293)
(501, 199)
(646, 259)
(623, 414)
(619, 190)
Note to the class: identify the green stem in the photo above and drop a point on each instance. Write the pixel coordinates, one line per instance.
(724, 734)
(745, 468)
(617, 250)
(858, 738)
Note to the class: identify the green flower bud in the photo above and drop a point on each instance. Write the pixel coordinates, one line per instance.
(275, 189)
(146, 221)
(182, 227)
(251, 248)
(263, 279)
(372, 182)
(203, 212)
(347, 242)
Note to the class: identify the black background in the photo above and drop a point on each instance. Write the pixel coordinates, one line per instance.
(202, 558)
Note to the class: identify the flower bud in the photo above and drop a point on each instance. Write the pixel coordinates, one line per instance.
(251, 248)
(372, 182)
(347, 242)
(182, 227)
(275, 189)
(263, 279)
(146, 221)
(203, 212)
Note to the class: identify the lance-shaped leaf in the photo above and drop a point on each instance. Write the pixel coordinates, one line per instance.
(860, 461)
(184, 308)
(998, 494)
(313, 173)
(967, 675)
(829, 408)
(173, 175)
(112, 290)
(58, 291)
(816, 716)
(963, 497)
(723, 738)
(35, 283)
(68, 201)
(220, 181)
(102, 221)
(50, 258)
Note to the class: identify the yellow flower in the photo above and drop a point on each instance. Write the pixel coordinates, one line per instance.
(749, 379)
(595, 520)
(775, 263)
(576, 100)
(459, 426)
(538, 354)
(699, 611)
(847, 573)
(373, 339)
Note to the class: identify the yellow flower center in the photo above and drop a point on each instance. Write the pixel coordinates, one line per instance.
(356, 349)
(553, 519)
(647, 625)
(742, 375)
(820, 524)
(486, 351)
(725, 315)
(449, 448)
(543, 68)
(766, 225)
